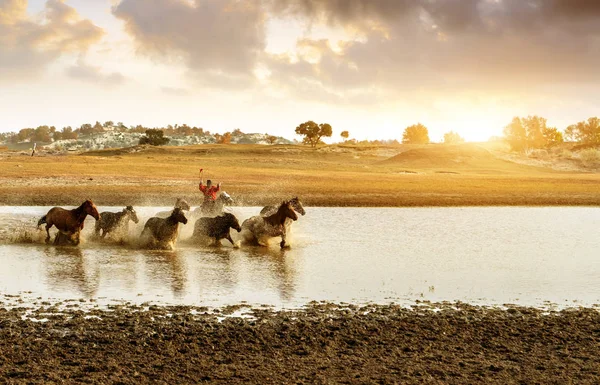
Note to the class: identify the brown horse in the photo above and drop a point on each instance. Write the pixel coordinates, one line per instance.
(68, 222)
(259, 229)
(162, 232)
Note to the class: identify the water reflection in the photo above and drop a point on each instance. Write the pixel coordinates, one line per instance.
(67, 268)
(279, 263)
(433, 254)
(167, 269)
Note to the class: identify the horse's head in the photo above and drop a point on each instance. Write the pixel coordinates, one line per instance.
(179, 216)
(182, 204)
(131, 214)
(226, 198)
(232, 221)
(90, 209)
(297, 205)
(287, 210)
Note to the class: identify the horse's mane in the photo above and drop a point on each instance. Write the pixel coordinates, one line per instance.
(274, 219)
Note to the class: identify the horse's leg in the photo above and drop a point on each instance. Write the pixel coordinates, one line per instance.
(228, 237)
(75, 238)
(104, 232)
(48, 232)
(283, 244)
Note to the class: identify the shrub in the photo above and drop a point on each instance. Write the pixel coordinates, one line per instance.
(590, 157)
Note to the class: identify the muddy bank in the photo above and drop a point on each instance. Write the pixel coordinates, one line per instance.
(321, 344)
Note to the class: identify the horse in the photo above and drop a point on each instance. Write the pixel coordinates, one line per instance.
(179, 204)
(162, 232)
(213, 208)
(296, 205)
(68, 222)
(259, 228)
(216, 228)
(109, 222)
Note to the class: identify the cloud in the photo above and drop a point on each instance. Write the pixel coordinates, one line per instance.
(84, 72)
(28, 46)
(446, 46)
(218, 40)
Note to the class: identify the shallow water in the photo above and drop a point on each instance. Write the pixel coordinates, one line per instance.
(493, 255)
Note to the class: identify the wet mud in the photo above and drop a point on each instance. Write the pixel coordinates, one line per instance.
(322, 343)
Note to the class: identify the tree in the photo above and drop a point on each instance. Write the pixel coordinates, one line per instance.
(25, 134)
(108, 124)
(41, 134)
(86, 129)
(585, 132)
(68, 133)
(271, 139)
(313, 132)
(452, 138)
(154, 137)
(531, 132)
(416, 134)
(223, 139)
(98, 127)
(345, 135)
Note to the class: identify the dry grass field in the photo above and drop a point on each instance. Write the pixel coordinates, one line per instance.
(432, 175)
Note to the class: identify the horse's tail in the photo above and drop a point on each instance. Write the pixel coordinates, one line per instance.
(42, 221)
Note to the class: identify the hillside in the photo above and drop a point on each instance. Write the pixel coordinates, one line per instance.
(255, 175)
(115, 139)
(458, 158)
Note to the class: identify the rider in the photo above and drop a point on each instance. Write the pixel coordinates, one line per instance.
(210, 194)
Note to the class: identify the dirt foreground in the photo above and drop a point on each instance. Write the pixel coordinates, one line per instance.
(323, 343)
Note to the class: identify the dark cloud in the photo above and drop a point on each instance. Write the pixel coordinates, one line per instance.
(217, 39)
(27, 46)
(449, 45)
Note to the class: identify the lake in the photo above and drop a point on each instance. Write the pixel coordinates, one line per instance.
(480, 255)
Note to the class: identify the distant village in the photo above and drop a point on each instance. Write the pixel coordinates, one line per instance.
(110, 135)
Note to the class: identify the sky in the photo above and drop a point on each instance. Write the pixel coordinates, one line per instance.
(371, 67)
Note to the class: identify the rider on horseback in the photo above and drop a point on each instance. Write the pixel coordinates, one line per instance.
(210, 194)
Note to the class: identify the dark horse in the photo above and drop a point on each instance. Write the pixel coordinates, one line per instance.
(110, 222)
(68, 222)
(216, 228)
(213, 208)
(259, 229)
(296, 205)
(162, 232)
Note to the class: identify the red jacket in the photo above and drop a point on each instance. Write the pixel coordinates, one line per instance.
(211, 192)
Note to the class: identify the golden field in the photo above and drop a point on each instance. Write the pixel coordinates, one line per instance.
(337, 175)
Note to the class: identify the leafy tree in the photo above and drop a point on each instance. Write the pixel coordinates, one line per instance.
(271, 139)
(41, 134)
(416, 134)
(313, 132)
(452, 138)
(237, 132)
(98, 127)
(86, 129)
(154, 137)
(531, 132)
(223, 139)
(108, 124)
(25, 134)
(345, 135)
(68, 133)
(585, 132)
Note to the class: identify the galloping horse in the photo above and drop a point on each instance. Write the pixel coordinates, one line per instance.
(109, 222)
(214, 209)
(259, 229)
(68, 222)
(179, 204)
(296, 205)
(216, 228)
(162, 232)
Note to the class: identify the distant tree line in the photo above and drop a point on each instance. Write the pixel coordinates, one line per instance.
(158, 135)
